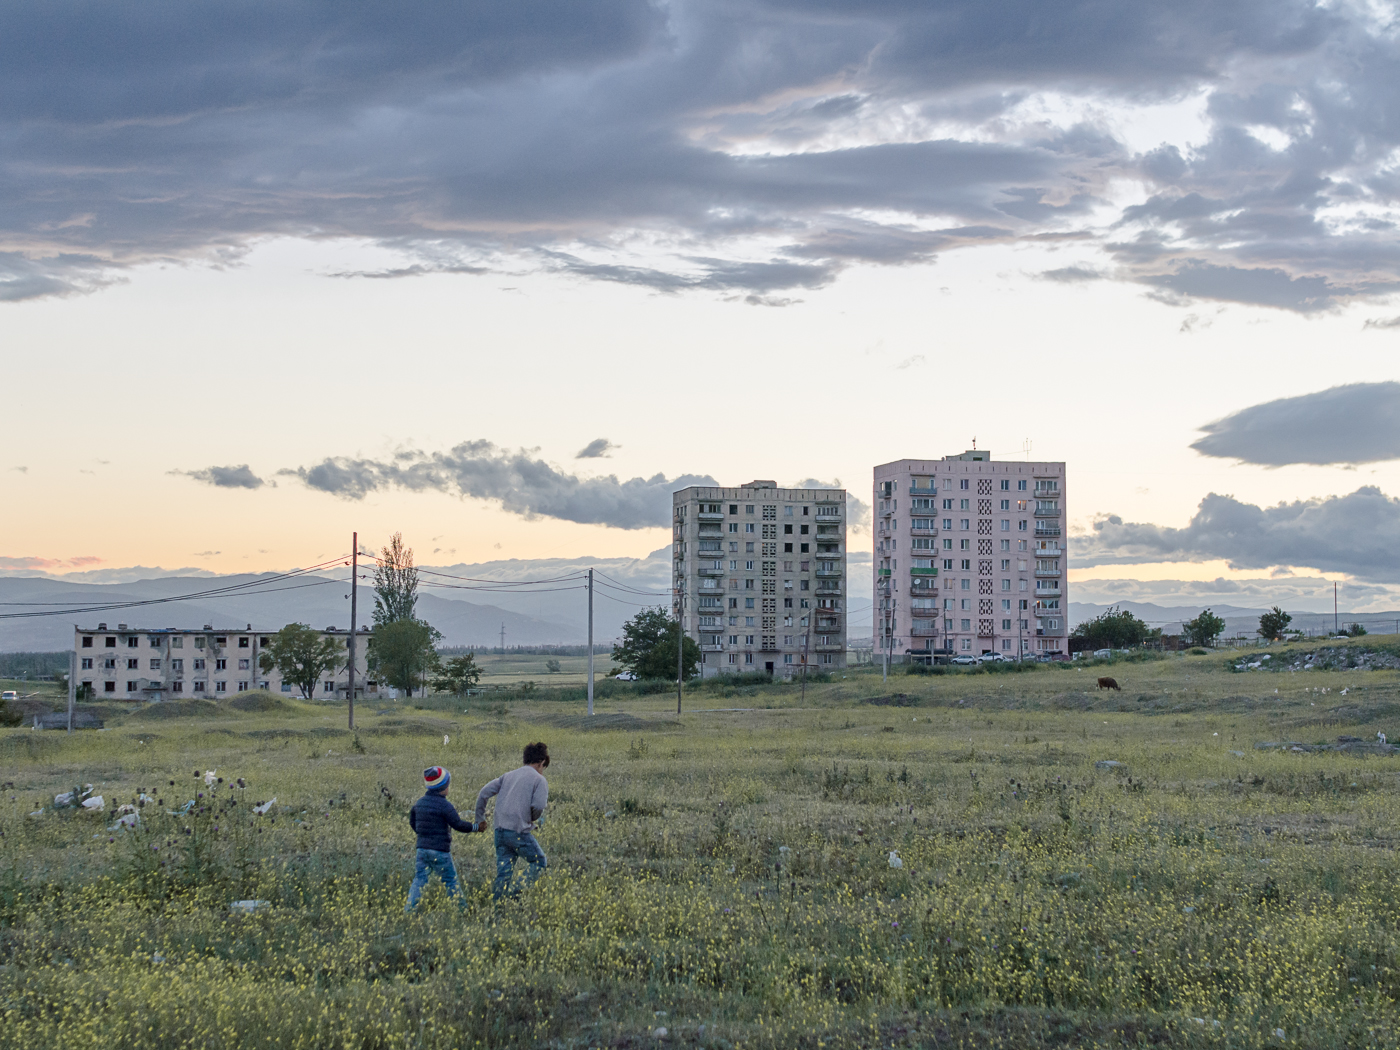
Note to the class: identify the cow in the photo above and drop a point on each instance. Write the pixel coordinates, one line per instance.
(1109, 683)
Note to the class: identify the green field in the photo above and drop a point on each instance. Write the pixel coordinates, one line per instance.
(726, 874)
(509, 669)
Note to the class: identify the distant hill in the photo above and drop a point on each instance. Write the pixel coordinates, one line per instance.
(317, 600)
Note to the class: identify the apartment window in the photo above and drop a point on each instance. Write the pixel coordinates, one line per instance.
(734, 603)
(947, 563)
(748, 509)
(964, 524)
(245, 665)
(804, 585)
(733, 657)
(221, 640)
(110, 642)
(803, 528)
(1020, 486)
(804, 548)
(133, 665)
(965, 585)
(155, 665)
(947, 624)
(748, 565)
(1005, 524)
(153, 641)
(748, 639)
(787, 529)
(947, 523)
(964, 545)
(133, 642)
(1023, 585)
(787, 567)
(109, 664)
(263, 641)
(198, 687)
(1006, 585)
(1006, 504)
(199, 642)
(87, 641)
(199, 664)
(109, 687)
(87, 663)
(177, 665)
(748, 657)
(1021, 527)
(787, 513)
(734, 508)
(787, 549)
(966, 625)
(327, 687)
(220, 665)
(964, 504)
(286, 687)
(964, 483)
(733, 526)
(242, 686)
(1006, 546)
(1005, 484)
(750, 527)
(131, 687)
(221, 687)
(733, 566)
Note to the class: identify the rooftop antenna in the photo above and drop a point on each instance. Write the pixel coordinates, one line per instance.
(1026, 447)
(974, 443)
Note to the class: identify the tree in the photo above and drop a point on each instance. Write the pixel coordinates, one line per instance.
(1204, 629)
(10, 716)
(457, 675)
(403, 653)
(1355, 630)
(395, 583)
(552, 666)
(648, 646)
(85, 692)
(1273, 623)
(302, 656)
(1112, 629)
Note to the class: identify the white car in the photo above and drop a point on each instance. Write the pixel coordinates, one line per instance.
(7, 695)
(963, 658)
(625, 676)
(993, 658)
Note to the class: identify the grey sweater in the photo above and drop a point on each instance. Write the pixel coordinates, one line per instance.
(522, 795)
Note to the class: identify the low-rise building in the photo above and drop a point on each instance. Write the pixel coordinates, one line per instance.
(175, 663)
(760, 576)
(970, 557)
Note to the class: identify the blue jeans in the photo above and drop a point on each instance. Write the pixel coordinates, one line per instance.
(429, 862)
(512, 844)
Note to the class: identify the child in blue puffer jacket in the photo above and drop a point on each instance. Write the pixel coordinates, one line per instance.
(432, 818)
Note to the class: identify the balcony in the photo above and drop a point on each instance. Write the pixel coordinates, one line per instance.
(709, 516)
(1043, 528)
(914, 490)
(1048, 572)
(883, 573)
(828, 573)
(828, 587)
(710, 570)
(1047, 512)
(830, 551)
(923, 572)
(1048, 612)
(1048, 552)
(921, 631)
(923, 532)
(712, 648)
(828, 515)
(830, 647)
(1047, 592)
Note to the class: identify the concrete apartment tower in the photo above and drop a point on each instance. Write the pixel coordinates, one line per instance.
(970, 558)
(760, 577)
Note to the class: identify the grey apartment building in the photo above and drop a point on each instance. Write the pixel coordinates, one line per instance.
(970, 557)
(760, 576)
(173, 663)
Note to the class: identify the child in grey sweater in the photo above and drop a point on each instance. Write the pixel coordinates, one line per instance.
(521, 797)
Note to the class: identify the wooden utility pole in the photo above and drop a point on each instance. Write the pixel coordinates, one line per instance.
(590, 641)
(72, 685)
(354, 615)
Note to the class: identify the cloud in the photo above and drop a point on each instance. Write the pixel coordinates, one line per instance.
(1382, 322)
(22, 470)
(910, 362)
(1072, 274)
(1352, 534)
(45, 565)
(1355, 423)
(239, 477)
(743, 151)
(522, 484)
(598, 448)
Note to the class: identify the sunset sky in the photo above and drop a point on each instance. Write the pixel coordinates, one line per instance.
(501, 277)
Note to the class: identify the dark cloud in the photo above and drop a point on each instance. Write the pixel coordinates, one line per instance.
(522, 484)
(857, 510)
(239, 477)
(598, 448)
(753, 150)
(1352, 534)
(1356, 423)
(1382, 322)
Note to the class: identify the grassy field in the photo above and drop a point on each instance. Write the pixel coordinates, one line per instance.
(511, 669)
(726, 875)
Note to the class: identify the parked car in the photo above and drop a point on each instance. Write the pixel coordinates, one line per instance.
(625, 676)
(7, 695)
(964, 658)
(993, 658)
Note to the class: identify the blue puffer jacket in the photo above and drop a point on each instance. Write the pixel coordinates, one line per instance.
(433, 818)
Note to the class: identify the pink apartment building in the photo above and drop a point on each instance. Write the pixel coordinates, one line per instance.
(970, 558)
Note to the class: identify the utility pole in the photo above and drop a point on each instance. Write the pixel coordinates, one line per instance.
(1336, 623)
(354, 617)
(680, 644)
(503, 638)
(72, 685)
(590, 641)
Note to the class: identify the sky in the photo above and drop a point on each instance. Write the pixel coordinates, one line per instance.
(501, 277)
